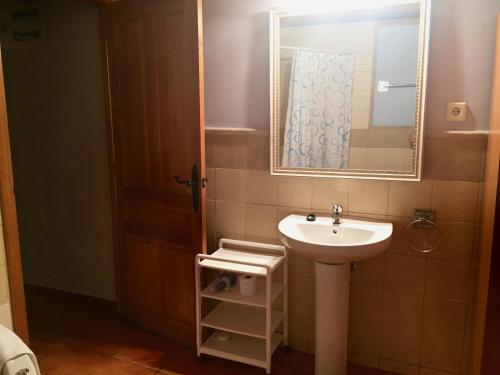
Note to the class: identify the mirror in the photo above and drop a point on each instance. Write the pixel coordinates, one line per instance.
(347, 91)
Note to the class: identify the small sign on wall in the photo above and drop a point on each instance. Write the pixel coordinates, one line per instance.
(21, 24)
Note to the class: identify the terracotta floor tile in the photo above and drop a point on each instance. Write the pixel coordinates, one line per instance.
(286, 363)
(70, 359)
(125, 342)
(73, 336)
(306, 366)
(117, 367)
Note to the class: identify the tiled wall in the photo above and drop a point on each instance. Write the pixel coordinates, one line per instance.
(5, 312)
(409, 312)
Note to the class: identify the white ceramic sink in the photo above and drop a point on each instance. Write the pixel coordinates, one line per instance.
(333, 247)
(349, 241)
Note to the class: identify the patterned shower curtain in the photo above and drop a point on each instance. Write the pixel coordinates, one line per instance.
(318, 120)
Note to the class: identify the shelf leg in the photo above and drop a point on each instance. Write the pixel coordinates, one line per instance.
(269, 279)
(198, 307)
(285, 302)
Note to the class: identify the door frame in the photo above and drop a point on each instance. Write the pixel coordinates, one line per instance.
(10, 225)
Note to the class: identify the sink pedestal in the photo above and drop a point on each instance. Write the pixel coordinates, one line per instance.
(332, 307)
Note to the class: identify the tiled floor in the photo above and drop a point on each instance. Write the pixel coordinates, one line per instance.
(71, 335)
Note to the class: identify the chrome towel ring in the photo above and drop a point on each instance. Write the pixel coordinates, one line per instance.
(424, 219)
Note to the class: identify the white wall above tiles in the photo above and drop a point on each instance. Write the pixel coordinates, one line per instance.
(59, 152)
(236, 56)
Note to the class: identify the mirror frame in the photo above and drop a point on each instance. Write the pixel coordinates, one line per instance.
(275, 15)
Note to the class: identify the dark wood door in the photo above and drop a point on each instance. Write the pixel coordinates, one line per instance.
(155, 72)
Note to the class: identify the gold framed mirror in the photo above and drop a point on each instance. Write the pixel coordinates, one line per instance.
(348, 91)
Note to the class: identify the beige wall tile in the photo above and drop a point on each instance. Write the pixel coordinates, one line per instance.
(360, 119)
(230, 155)
(285, 211)
(295, 191)
(365, 303)
(447, 279)
(457, 241)
(368, 196)
(454, 159)
(398, 367)
(230, 185)
(357, 158)
(364, 61)
(328, 191)
(258, 153)
(261, 221)
(404, 274)
(261, 187)
(399, 159)
(403, 309)
(362, 81)
(299, 265)
(359, 139)
(230, 217)
(400, 344)
(400, 238)
(444, 316)
(455, 200)
(364, 337)
(211, 184)
(376, 158)
(361, 100)
(405, 197)
(211, 225)
(210, 155)
(370, 272)
(233, 236)
(441, 352)
(299, 291)
(300, 324)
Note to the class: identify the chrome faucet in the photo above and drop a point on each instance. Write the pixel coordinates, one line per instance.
(337, 214)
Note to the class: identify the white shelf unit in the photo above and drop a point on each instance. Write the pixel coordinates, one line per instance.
(250, 321)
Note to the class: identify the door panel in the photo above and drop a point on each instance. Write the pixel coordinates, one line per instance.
(131, 99)
(157, 132)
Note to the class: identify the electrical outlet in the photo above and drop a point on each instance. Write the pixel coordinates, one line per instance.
(456, 111)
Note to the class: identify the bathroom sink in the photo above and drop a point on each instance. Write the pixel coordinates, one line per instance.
(352, 240)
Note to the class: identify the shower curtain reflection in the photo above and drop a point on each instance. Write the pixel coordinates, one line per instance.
(318, 120)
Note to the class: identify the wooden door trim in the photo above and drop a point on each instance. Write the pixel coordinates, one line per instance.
(10, 226)
(487, 228)
(110, 147)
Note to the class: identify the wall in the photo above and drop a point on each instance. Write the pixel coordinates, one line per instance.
(410, 313)
(408, 310)
(5, 312)
(237, 74)
(55, 101)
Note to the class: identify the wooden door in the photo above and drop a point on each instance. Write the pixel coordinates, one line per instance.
(155, 72)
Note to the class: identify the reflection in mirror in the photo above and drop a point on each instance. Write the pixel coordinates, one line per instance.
(346, 91)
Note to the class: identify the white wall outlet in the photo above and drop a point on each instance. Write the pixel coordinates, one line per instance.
(456, 111)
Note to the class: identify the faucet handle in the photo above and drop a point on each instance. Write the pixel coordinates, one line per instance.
(337, 209)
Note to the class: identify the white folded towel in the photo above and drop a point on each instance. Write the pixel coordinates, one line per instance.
(12, 347)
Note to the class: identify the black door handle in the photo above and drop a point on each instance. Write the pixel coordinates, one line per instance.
(183, 182)
(195, 194)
